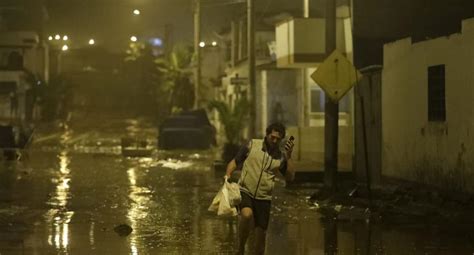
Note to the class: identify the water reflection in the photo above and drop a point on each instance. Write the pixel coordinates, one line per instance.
(330, 237)
(58, 217)
(91, 234)
(138, 209)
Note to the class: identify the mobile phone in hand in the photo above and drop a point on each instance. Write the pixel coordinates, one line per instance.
(292, 138)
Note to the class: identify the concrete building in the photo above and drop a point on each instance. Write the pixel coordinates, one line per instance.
(23, 59)
(300, 46)
(28, 46)
(23, 55)
(428, 110)
(275, 88)
(288, 50)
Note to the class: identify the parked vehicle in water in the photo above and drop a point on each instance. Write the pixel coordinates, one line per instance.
(187, 130)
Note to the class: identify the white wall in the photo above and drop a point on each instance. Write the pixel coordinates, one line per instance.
(414, 148)
(301, 42)
(34, 52)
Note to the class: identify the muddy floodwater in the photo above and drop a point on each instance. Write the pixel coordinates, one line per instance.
(72, 190)
(76, 187)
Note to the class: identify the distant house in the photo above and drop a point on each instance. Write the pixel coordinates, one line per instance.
(275, 88)
(24, 56)
(301, 47)
(428, 110)
(22, 60)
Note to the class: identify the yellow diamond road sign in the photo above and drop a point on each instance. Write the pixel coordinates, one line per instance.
(336, 76)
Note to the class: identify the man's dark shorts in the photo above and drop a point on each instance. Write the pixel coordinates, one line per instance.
(260, 208)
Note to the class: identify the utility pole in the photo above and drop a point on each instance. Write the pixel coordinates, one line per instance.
(331, 116)
(251, 61)
(197, 51)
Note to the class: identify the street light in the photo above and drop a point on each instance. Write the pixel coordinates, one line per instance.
(57, 37)
(65, 48)
(91, 42)
(136, 12)
(50, 38)
(65, 38)
(133, 38)
(202, 44)
(214, 43)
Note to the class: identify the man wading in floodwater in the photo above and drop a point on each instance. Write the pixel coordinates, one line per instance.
(262, 160)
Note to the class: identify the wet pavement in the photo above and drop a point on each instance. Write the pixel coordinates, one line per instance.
(296, 227)
(74, 188)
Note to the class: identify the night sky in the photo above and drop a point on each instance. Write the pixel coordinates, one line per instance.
(111, 22)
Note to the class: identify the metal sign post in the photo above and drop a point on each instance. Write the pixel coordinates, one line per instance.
(336, 76)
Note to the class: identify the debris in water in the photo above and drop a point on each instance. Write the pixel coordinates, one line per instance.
(174, 164)
(123, 230)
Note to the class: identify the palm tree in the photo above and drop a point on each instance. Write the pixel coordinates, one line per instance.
(176, 75)
(233, 121)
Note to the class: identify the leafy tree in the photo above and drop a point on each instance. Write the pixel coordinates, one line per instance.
(176, 72)
(233, 120)
(163, 79)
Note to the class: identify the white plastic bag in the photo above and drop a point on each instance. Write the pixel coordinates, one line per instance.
(234, 193)
(226, 199)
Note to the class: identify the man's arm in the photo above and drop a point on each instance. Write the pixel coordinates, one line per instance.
(287, 168)
(290, 170)
(238, 160)
(230, 168)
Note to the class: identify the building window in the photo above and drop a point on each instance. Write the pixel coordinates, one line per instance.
(318, 101)
(436, 93)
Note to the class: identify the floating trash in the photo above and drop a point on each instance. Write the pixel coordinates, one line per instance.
(195, 156)
(123, 230)
(174, 164)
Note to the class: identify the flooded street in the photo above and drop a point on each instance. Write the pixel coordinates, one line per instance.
(118, 120)
(76, 187)
(73, 189)
(305, 231)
